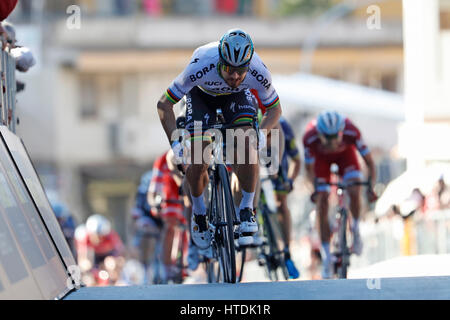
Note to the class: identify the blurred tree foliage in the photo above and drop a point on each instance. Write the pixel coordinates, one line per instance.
(303, 7)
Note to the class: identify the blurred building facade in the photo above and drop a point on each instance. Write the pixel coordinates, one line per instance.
(88, 116)
(427, 83)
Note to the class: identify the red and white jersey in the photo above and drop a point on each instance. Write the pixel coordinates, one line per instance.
(164, 184)
(110, 244)
(351, 139)
(160, 173)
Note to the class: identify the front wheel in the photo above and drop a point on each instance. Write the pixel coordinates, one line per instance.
(224, 237)
(343, 245)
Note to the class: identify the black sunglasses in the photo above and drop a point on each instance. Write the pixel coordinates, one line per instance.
(230, 69)
(331, 136)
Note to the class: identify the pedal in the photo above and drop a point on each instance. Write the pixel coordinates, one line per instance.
(261, 260)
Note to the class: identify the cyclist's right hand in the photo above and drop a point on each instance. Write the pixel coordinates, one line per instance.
(371, 195)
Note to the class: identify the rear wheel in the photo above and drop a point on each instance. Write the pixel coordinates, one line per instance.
(243, 257)
(274, 260)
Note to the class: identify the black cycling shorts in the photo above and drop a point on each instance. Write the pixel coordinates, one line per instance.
(239, 107)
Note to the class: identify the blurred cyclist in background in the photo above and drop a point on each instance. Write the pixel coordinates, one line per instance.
(67, 224)
(96, 240)
(147, 228)
(289, 168)
(334, 139)
(283, 184)
(165, 198)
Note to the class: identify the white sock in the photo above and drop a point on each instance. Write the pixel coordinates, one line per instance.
(198, 205)
(325, 252)
(247, 200)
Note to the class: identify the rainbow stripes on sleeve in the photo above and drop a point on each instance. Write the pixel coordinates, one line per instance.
(273, 104)
(172, 96)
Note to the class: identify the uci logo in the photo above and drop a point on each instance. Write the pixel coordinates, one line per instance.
(213, 83)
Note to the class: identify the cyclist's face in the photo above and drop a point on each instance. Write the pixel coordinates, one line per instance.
(331, 143)
(233, 76)
(94, 238)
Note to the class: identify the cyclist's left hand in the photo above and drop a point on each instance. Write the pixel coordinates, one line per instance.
(371, 195)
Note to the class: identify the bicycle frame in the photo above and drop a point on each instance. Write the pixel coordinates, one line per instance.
(220, 193)
(270, 256)
(343, 251)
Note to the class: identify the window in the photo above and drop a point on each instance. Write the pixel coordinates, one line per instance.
(100, 96)
(88, 96)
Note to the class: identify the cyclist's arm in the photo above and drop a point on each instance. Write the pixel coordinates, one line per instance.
(266, 94)
(167, 116)
(309, 159)
(371, 168)
(310, 175)
(271, 118)
(174, 93)
(364, 151)
(291, 150)
(294, 168)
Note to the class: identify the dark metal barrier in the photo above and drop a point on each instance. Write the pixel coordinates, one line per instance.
(8, 90)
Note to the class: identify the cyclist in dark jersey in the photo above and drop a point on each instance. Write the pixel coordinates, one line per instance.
(283, 184)
(289, 169)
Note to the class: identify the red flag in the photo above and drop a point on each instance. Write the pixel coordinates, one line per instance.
(6, 7)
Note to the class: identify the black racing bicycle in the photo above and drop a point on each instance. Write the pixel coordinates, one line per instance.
(269, 254)
(221, 267)
(342, 236)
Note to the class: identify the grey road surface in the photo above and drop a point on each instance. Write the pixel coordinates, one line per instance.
(411, 288)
